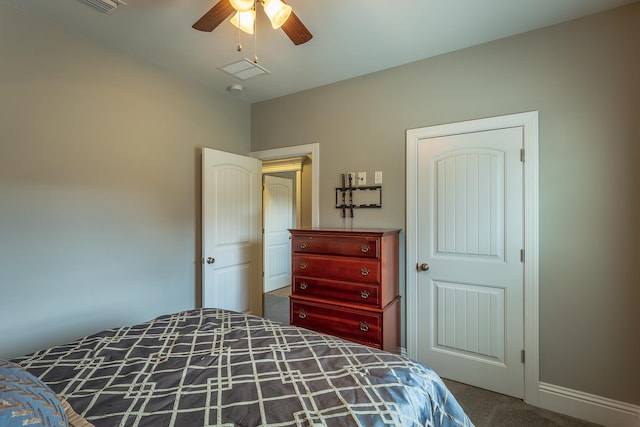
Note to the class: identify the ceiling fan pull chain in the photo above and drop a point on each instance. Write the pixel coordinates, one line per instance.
(239, 48)
(255, 41)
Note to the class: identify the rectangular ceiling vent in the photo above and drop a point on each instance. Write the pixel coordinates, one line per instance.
(105, 6)
(244, 69)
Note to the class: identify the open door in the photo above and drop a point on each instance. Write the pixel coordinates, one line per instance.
(231, 232)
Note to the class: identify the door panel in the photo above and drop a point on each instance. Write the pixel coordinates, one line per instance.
(231, 228)
(470, 232)
(470, 320)
(470, 203)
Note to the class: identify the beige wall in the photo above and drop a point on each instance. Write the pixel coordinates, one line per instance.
(583, 78)
(99, 185)
(306, 205)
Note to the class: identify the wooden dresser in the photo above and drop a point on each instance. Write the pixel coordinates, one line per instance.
(345, 283)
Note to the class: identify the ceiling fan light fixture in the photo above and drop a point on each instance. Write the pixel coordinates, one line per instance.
(244, 20)
(277, 12)
(242, 5)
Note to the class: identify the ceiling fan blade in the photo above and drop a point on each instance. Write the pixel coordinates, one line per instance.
(214, 17)
(295, 30)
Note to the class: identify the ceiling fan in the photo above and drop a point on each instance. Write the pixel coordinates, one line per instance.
(280, 14)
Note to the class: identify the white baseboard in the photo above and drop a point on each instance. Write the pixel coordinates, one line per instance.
(588, 407)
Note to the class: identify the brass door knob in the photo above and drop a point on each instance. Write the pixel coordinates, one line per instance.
(422, 267)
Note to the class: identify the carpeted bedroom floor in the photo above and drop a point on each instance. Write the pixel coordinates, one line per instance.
(485, 408)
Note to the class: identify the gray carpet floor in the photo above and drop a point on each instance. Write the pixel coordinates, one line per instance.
(484, 408)
(276, 305)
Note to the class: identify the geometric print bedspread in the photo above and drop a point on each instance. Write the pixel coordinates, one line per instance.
(212, 367)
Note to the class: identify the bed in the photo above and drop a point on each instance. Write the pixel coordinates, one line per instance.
(212, 367)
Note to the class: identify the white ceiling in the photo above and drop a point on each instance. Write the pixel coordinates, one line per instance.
(351, 37)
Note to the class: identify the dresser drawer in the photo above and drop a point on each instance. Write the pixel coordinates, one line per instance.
(337, 291)
(347, 269)
(356, 325)
(357, 247)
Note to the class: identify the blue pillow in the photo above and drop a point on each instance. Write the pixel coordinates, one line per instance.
(26, 400)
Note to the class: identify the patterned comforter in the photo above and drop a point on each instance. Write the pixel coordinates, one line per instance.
(212, 367)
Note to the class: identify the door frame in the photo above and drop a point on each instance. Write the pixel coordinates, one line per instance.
(529, 123)
(312, 150)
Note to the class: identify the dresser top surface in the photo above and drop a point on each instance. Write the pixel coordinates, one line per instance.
(322, 230)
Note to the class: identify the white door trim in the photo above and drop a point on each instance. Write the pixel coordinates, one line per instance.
(300, 150)
(529, 122)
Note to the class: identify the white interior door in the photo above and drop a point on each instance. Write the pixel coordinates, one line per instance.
(278, 219)
(231, 232)
(470, 231)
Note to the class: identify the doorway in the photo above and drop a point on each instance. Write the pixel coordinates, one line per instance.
(301, 165)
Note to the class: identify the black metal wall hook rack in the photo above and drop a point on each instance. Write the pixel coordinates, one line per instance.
(345, 196)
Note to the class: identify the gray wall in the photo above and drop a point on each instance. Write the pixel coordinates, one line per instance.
(306, 203)
(583, 78)
(99, 185)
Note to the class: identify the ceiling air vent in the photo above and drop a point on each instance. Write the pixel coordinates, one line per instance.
(244, 69)
(105, 6)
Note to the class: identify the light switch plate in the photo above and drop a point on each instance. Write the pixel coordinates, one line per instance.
(378, 177)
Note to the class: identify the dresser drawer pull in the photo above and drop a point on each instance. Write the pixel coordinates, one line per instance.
(364, 249)
(303, 245)
(303, 266)
(304, 285)
(365, 294)
(302, 314)
(364, 327)
(364, 271)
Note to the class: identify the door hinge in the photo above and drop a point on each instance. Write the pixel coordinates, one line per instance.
(522, 356)
(521, 255)
(522, 155)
